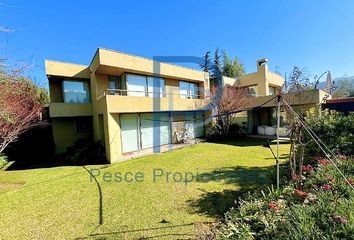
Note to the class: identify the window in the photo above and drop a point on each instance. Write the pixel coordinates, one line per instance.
(76, 91)
(117, 85)
(188, 90)
(271, 90)
(113, 84)
(156, 87)
(138, 85)
(252, 90)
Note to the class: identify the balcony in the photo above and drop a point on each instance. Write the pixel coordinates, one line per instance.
(70, 109)
(126, 101)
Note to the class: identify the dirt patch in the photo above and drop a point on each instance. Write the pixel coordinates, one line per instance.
(10, 185)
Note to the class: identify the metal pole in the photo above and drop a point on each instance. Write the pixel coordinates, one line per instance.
(278, 126)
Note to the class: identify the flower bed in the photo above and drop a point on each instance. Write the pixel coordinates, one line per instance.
(322, 209)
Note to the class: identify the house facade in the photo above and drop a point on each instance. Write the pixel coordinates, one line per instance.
(126, 102)
(264, 85)
(260, 83)
(130, 103)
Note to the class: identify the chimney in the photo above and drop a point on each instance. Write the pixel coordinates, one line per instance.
(260, 63)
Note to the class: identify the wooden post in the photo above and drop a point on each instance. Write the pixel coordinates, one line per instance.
(278, 126)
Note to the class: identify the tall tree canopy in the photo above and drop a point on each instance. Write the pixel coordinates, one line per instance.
(298, 81)
(221, 65)
(232, 67)
(344, 87)
(21, 104)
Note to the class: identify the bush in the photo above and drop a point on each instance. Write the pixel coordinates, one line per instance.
(333, 128)
(214, 132)
(323, 209)
(3, 161)
(85, 152)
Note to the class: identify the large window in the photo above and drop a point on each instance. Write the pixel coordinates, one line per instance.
(271, 90)
(188, 90)
(76, 91)
(252, 90)
(117, 85)
(138, 85)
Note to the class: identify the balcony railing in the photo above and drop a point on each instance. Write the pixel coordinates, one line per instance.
(135, 93)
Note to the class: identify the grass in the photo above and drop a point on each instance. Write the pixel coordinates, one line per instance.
(66, 203)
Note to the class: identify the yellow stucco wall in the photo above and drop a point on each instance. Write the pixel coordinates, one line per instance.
(69, 109)
(263, 79)
(114, 137)
(310, 97)
(64, 133)
(55, 91)
(106, 60)
(56, 68)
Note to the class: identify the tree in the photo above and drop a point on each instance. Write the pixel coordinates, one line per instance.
(344, 87)
(227, 67)
(21, 104)
(232, 68)
(298, 81)
(206, 66)
(232, 99)
(216, 69)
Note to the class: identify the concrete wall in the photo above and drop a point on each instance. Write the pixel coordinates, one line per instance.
(109, 61)
(263, 79)
(64, 133)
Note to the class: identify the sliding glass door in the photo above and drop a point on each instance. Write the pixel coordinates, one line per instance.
(129, 131)
(145, 130)
(155, 129)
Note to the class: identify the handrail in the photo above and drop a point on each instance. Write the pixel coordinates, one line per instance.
(124, 92)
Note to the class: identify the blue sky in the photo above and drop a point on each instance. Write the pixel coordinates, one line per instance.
(318, 35)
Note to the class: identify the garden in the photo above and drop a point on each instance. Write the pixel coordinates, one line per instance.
(65, 202)
(315, 200)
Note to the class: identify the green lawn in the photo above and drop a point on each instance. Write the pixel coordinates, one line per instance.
(63, 202)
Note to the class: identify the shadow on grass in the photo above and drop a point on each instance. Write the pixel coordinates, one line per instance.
(144, 230)
(20, 164)
(245, 142)
(216, 204)
(248, 179)
(100, 199)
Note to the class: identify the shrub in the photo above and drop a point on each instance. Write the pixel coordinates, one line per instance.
(335, 130)
(322, 209)
(85, 152)
(3, 161)
(214, 132)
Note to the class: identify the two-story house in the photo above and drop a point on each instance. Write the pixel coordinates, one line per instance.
(129, 103)
(264, 85)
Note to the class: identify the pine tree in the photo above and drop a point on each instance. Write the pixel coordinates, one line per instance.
(216, 71)
(207, 62)
(232, 68)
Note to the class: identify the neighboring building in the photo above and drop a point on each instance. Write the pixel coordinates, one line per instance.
(127, 102)
(345, 105)
(266, 116)
(260, 83)
(264, 85)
